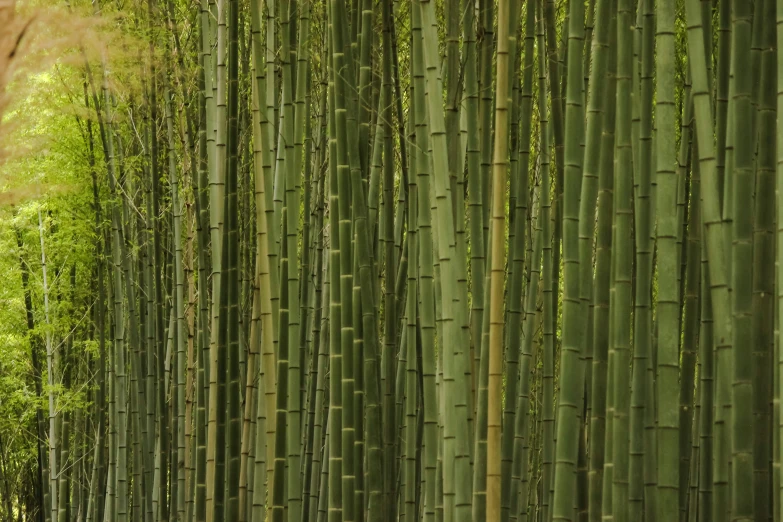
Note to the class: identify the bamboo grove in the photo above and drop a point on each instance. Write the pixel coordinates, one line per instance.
(438, 260)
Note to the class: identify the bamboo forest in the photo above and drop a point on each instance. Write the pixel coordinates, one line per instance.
(391, 260)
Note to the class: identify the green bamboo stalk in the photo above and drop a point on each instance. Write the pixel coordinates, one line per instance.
(557, 89)
(482, 411)
(257, 311)
(688, 245)
(497, 276)
(147, 236)
(408, 496)
(475, 184)
(762, 318)
(209, 100)
(775, 422)
(715, 240)
(377, 217)
(50, 382)
(179, 307)
(161, 507)
(589, 185)
(81, 427)
(454, 107)
(147, 316)
(722, 91)
(64, 482)
(42, 477)
(432, 402)
(293, 129)
(278, 500)
(636, 84)
(549, 308)
(586, 227)
(387, 234)
(121, 467)
(515, 262)
(642, 453)
(549, 303)
(137, 401)
(324, 492)
(319, 453)
(111, 482)
(742, 256)
(693, 484)
(365, 76)
(221, 121)
(95, 501)
(689, 474)
(707, 373)
(266, 244)
(265, 420)
(456, 449)
(621, 328)
(521, 470)
(335, 318)
(486, 23)
(555, 83)
(352, 172)
(523, 474)
(521, 172)
(607, 502)
(599, 427)
(571, 355)
(216, 201)
(730, 142)
(358, 390)
(313, 433)
(683, 167)
(341, 71)
(667, 304)
(367, 321)
(779, 275)
(399, 389)
(134, 427)
(265, 145)
(230, 321)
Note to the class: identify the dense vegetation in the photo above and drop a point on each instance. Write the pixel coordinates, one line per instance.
(370, 260)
